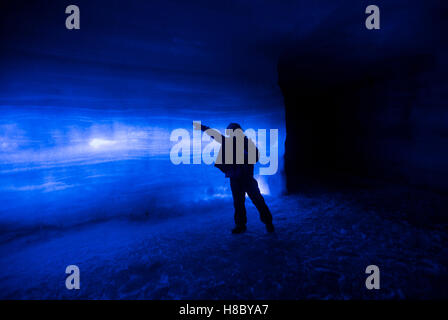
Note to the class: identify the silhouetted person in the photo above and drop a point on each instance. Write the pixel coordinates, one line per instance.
(239, 167)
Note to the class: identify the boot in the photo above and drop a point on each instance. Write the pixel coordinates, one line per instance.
(238, 229)
(270, 227)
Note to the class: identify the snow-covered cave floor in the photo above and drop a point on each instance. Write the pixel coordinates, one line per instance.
(320, 250)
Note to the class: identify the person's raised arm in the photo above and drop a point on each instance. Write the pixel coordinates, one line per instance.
(215, 134)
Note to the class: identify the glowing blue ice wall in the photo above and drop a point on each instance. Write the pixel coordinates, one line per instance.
(67, 166)
(86, 115)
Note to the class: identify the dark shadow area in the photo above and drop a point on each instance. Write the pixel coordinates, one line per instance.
(368, 107)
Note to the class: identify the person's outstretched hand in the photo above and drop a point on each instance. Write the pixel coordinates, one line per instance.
(196, 125)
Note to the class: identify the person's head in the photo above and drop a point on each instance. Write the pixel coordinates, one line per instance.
(234, 129)
(234, 126)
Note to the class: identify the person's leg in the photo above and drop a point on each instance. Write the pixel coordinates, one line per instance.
(255, 195)
(239, 197)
